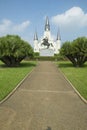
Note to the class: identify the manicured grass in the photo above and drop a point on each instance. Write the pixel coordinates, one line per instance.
(10, 77)
(77, 76)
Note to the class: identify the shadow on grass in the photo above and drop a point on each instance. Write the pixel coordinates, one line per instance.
(69, 65)
(27, 64)
(65, 65)
(21, 65)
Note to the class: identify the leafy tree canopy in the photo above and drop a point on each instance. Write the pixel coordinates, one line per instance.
(13, 50)
(76, 51)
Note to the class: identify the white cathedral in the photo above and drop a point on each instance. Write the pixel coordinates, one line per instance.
(46, 46)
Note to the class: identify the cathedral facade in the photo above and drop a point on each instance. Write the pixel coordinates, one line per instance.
(46, 43)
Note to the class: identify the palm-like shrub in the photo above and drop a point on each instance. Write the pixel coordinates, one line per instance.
(13, 50)
(76, 51)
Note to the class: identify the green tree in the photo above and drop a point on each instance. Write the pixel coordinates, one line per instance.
(76, 51)
(13, 50)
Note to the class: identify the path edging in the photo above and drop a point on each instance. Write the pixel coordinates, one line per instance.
(81, 97)
(18, 85)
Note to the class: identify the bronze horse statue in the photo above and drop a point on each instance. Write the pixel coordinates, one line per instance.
(46, 43)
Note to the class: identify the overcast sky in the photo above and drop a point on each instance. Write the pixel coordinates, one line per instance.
(24, 17)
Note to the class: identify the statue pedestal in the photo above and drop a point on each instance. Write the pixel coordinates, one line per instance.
(46, 52)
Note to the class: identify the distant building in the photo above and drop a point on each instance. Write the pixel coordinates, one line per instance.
(46, 45)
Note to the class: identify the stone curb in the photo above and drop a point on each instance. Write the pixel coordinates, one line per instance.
(18, 85)
(84, 100)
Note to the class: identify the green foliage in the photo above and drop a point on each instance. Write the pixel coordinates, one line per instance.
(59, 57)
(75, 51)
(13, 50)
(49, 58)
(36, 54)
(44, 58)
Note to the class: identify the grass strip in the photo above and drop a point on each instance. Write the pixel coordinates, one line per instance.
(77, 76)
(10, 77)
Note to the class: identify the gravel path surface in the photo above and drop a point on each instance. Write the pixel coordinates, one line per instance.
(44, 101)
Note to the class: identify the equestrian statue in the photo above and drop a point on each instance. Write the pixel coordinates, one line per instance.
(46, 43)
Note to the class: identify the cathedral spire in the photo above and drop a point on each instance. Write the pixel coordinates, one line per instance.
(47, 25)
(58, 35)
(35, 36)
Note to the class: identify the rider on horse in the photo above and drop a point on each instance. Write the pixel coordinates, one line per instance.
(45, 42)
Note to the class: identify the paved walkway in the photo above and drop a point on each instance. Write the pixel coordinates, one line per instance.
(45, 101)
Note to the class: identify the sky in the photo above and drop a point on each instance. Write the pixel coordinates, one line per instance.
(24, 17)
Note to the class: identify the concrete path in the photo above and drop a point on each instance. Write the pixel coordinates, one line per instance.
(45, 101)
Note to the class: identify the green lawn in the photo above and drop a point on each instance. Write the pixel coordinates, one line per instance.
(77, 76)
(10, 77)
